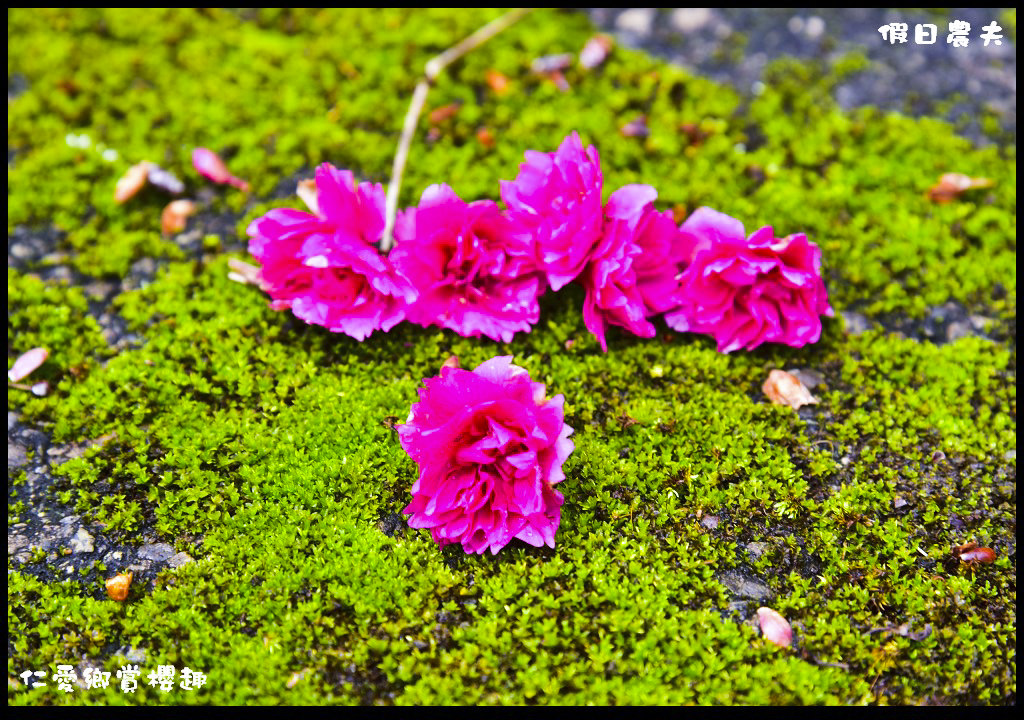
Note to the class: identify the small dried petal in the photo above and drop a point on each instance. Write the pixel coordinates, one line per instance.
(595, 51)
(208, 164)
(41, 388)
(27, 363)
(175, 216)
(551, 63)
(774, 627)
(559, 80)
(164, 180)
(782, 388)
(131, 182)
(117, 586)
(498, 83)
(244, 273)
(445, 112)
(951, 185)
(979, 555)
(635, 128)
(451, 362)
(306, 191)
(485, 137)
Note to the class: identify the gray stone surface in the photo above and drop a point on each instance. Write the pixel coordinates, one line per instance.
(745, 587)
(180, 559)
(156, 552)
(82, 542)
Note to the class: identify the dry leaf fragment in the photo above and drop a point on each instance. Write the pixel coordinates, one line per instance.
(774, 627)
(595, 51)
(27, 363)
(306, 190)
(782, 388)
(175, 216)
(951, 185)
(974, 554)
(131, 182)
(117, 586)
(445, 112)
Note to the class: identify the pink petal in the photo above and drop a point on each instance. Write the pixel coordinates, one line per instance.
(774, 627)
(208, 164)
(41, 388)
(27, 363)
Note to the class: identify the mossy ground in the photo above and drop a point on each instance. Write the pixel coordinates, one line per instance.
(266, 449)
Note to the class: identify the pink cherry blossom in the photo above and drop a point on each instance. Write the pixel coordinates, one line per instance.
(558, 196)
(489, 447)
(633, 272)
(748, 291)
(325, 267)
(471, 266)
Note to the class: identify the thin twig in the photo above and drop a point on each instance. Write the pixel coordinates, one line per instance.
(434, 67)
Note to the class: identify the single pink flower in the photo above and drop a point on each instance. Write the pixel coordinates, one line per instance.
(208, 164)
(633, 273)
(471, 266)
(747, 291)
(490, 448)
(326, 266)
(558, 196)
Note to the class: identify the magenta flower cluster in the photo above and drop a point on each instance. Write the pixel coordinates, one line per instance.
(478, 269)
(489, 446)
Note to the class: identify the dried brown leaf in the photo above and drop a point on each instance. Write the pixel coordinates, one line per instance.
(117, 586)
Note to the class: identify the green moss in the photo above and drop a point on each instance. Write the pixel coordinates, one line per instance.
(265, 448)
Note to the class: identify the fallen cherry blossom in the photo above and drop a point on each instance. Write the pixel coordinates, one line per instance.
(782, 388)
(27, 363)
(208, 164)
(774, 627)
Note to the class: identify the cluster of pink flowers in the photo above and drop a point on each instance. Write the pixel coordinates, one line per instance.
(478, 269)
(488, 443)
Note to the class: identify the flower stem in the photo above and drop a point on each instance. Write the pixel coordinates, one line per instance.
(434, 67)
